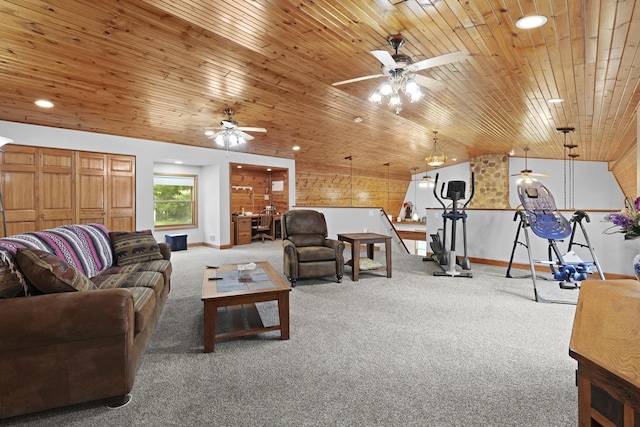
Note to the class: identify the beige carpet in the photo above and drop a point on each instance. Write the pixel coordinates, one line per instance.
(413, 350)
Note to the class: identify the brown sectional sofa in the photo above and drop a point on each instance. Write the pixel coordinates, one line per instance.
(80, 340)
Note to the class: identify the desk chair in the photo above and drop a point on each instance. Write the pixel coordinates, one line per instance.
(262, 228)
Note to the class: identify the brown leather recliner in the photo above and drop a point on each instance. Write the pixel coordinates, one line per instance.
(307, 251)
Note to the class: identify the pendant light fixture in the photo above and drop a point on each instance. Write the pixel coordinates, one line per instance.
(436, 158)
(426, 181)
(567, 185)
(414, 179)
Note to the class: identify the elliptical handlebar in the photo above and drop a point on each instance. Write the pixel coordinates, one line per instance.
(435, 192)
(442, 195)
(473, 190)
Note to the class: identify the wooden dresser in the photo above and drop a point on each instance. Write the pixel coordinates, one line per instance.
(606, 343)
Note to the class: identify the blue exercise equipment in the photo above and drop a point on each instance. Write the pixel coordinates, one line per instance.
(541, 215)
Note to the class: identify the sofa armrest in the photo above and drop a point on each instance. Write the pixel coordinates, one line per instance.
(165, 250)
(63, 317)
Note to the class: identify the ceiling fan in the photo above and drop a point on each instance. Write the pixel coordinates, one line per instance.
(230, 134)
(398, 65)
(526, 173)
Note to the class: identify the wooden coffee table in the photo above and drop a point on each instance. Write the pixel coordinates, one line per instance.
(240, 294)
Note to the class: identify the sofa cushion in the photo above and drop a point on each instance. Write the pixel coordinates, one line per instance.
(131, 247)
(160, 266)
(316, 253)
(144, 304)
(51, 274)
(143, 279)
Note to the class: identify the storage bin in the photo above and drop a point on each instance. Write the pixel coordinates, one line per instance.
(178, 242)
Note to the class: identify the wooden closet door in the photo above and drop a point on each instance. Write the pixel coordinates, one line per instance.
(91, 187)
(57, 193)
(121, 209)
(19, 181)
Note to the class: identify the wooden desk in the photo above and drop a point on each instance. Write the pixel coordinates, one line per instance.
(357, 239)
(242, 227)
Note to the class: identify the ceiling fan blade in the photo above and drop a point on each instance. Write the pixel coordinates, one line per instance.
(228, 124)
(428, 82)
(385, 57)
(250, 129)
(447, 58)
(246, 136)
(357, 79)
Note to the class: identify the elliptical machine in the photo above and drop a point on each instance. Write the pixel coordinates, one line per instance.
(455, 193)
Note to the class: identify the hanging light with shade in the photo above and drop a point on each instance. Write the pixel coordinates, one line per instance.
(426, 181)
(437, 157)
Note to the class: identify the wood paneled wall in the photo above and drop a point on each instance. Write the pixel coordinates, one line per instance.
(326, 185)
(625, 171)
(253, 200)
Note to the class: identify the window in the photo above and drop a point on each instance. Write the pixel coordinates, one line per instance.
(174, 201)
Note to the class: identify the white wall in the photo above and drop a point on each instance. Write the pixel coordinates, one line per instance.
(491, 233)
(595, 186)
(212, 167)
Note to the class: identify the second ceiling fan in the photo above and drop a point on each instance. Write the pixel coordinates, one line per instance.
(401, 72)
(229, 134)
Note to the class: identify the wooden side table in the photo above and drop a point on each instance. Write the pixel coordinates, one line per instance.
(357, 239)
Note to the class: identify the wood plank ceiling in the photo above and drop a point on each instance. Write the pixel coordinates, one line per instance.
(166, 69)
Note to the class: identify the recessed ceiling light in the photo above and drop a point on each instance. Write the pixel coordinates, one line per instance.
(512, 152)
(357, 119)
(555, 100)
(529, 22)
(239, 166)
(296, 148)
(268, 169)
(209, 132)
(178, 162)
(44, 103)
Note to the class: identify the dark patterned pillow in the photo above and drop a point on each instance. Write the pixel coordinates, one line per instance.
(132, 247)
(49, 273)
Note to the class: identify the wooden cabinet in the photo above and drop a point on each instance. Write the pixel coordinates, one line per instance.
(19, 172)
(46, 187)
(121, 201)
(91, 187)
(56, 190)
(242, 228)
(605, 341)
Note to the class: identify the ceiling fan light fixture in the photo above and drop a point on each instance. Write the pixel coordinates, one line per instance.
(395, 101)
(376, 97)
(416, 96)
(386, 88)
(411, 87)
